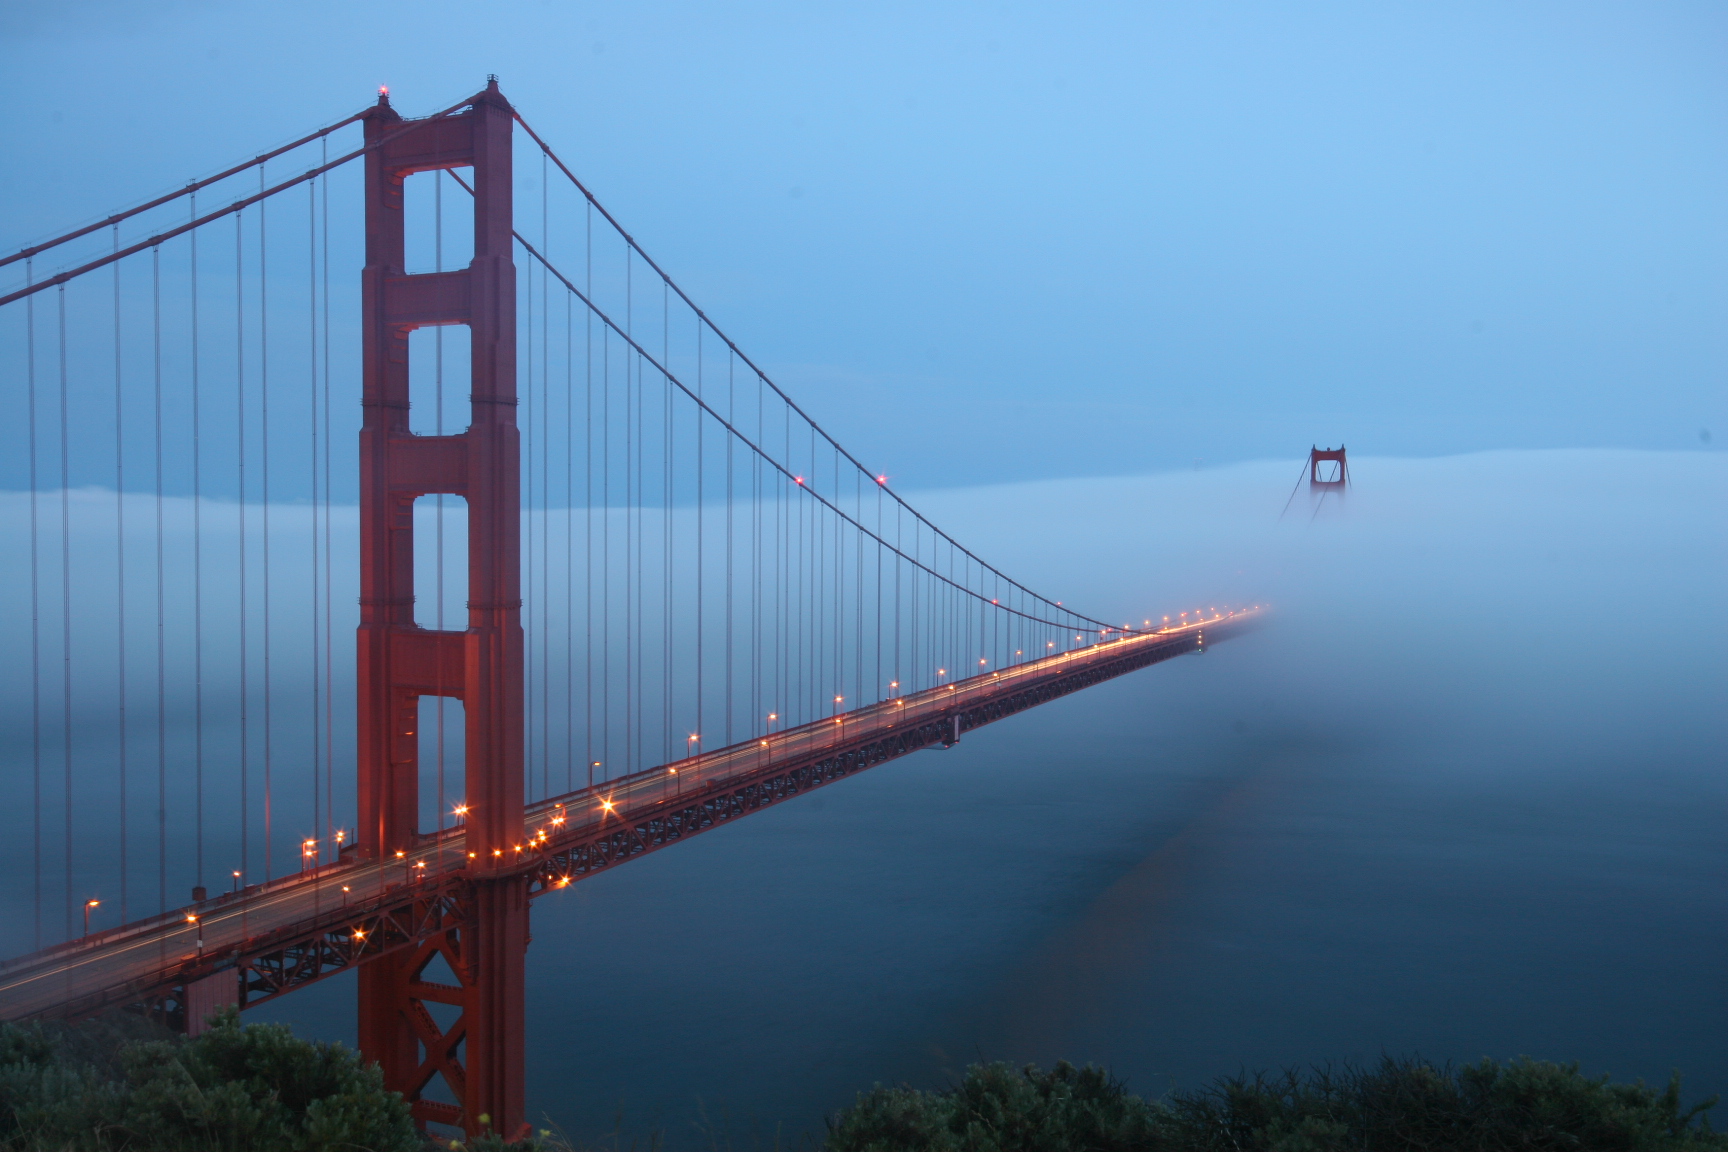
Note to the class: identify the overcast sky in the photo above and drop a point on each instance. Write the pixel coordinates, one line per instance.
(1011, 241)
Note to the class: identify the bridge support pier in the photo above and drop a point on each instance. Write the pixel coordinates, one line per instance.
(480, 1055)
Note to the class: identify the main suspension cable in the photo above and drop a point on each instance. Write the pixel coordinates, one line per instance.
(237, 206)
(644, 355)
(190, 189)
(709, 323)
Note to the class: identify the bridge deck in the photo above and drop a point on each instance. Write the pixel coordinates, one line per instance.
(300, 928)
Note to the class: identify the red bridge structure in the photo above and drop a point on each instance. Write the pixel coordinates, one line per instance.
(1336, 478)
(679, 599)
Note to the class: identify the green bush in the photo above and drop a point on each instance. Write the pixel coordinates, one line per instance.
(1395, 1106)
(121, 1085)
(235, 1088)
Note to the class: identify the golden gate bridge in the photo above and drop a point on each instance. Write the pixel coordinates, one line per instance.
(680, 600)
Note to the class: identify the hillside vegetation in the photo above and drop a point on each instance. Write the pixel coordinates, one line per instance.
(1398, 1105)
(121, 1085)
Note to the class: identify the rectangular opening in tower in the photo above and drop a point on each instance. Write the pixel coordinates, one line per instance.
(437, 221)
(443, 782)
(440, 372)
(441, 563)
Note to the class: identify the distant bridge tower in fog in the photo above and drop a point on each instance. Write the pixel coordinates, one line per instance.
(1330, 479)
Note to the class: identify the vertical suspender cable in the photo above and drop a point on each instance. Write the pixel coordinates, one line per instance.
(197, 574)
(569, 545)
(642, 614)
(35, 615)
(606, 551)
(633, 501)
(545, 517)
(756, 623)
(161, 594)
(264, 511)
(312, 405)
(841, 533)
(701, 518)
(545, 500)
(240, 512)
(329, 605)
(818, 589)
(588, 500)
(666, 549)
(66, 606)
(782, 584)
(530, 604)
(806, 595)
(858, 592)
(732, 419)
(630, 508)
(120, 590)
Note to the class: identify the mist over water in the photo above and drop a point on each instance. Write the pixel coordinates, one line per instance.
(1463, 795)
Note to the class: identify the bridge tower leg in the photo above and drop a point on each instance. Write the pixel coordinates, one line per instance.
(481, 1056)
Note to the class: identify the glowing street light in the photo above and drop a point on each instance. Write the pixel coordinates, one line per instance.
(88, 905)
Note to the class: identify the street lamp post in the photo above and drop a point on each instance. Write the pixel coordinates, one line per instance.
(89, 904)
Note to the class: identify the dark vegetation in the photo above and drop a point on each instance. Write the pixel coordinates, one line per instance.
(1398, 1105)
(122, 1085)
(119, 1083)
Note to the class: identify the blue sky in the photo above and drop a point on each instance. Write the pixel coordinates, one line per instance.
(1006, 241)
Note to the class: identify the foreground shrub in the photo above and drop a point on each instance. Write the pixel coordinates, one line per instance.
(234, 1088)
(996, 1109)
(1397, 1105)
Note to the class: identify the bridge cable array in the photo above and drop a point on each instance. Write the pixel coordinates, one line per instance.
(703, 563)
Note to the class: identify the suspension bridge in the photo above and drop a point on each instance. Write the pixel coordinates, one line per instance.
(611, 588)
